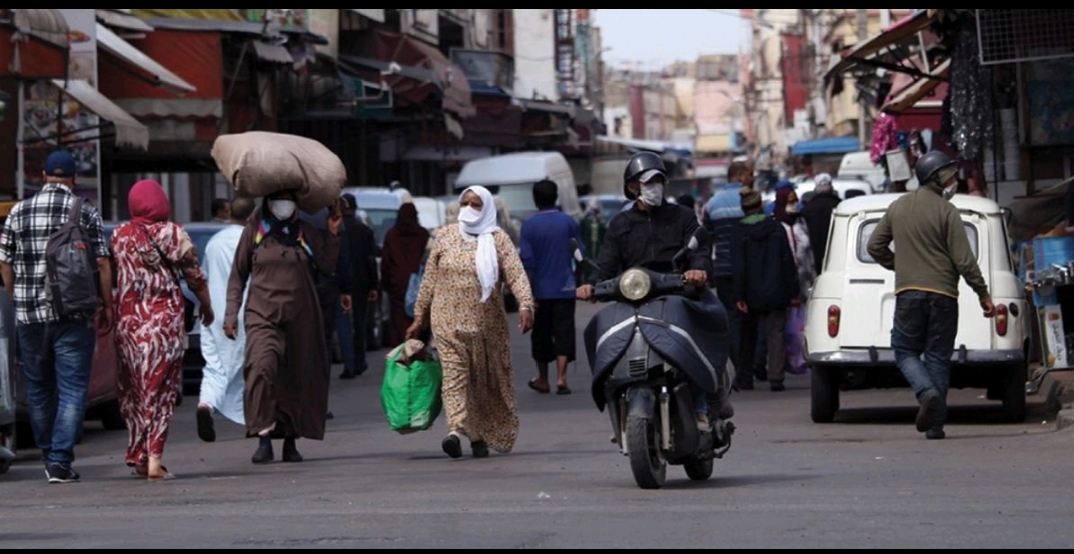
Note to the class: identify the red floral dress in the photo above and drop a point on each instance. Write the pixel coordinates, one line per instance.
(149, 329)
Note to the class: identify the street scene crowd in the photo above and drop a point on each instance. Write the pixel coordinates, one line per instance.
(279, 284)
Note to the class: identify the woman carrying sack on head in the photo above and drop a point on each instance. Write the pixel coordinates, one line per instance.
(150, 252)
(461, 300)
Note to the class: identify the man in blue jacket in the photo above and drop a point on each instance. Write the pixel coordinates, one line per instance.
(766, 284)
(546, 255)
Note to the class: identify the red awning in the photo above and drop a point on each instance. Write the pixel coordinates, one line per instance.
(908, 92)
(450, 82)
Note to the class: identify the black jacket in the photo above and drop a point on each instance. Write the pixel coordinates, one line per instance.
(818, 217)
(363, 257)
(765, 275)
(651, 239)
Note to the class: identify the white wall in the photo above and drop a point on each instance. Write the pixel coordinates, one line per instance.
(535, 54)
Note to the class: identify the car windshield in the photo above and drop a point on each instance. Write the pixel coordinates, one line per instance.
(870, 226)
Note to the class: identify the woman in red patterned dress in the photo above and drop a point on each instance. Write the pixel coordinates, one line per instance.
(150, 252)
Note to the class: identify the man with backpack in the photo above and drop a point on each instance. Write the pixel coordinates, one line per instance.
(55, 263)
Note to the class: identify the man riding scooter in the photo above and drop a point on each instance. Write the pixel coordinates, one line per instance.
(649, 235)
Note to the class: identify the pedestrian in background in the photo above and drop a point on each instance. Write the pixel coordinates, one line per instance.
(287, 363)
(56, 353)
(594, 226)
(405, 246)
(817, 215)
(221, 210)
(361, 257)
(549, 263)
(461, 300)
(222, 382)
(933, 253)
(766, 284)
(151, 252)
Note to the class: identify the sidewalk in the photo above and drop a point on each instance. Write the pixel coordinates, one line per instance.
(1057, 391)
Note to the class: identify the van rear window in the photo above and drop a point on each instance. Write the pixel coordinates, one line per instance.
(866, 232)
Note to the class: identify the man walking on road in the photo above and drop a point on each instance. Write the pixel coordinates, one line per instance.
(56, 353)
(933, 253)
(222, 383)
(546, 255)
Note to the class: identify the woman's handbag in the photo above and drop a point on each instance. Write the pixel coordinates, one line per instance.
(412, 290)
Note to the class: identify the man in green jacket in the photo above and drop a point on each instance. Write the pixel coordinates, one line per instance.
(933, 253)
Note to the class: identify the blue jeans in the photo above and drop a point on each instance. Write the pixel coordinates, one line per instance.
(923, 337)
(57, 360)
(345, 333)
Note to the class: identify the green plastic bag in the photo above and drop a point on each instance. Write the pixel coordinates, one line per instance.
(410, 394)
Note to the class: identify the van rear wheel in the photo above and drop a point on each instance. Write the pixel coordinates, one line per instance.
(825, 394)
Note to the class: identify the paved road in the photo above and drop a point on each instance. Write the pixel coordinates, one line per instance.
(869, 481)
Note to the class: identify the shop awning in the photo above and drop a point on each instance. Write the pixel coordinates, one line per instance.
(548, 107)
(134, 57)
(48, 25)
(870, 52)
(129, 132)
(832, 146)
(272, 53)
(122, 19)
(910, 96)
(439, 75)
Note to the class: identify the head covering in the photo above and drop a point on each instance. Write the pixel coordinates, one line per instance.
(824, 184)
(350, 202)
(648, 176)
(148, 203)
(784, 184)
(407, 223)
(751, 199)
(61, 164)
(488, 265)
(783, 196)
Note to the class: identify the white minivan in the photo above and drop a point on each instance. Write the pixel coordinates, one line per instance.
(512, 176)
(852, 306)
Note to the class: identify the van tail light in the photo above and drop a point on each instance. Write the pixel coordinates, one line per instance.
(1002, 319)
(835, 316)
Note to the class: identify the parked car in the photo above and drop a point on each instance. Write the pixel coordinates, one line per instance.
(850, 313)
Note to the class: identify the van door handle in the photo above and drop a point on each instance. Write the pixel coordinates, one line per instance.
(868, 282)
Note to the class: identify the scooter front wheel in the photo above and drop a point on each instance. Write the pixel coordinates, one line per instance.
(649, 467)
(698, 469)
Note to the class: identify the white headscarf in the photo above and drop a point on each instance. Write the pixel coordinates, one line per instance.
(488, 265)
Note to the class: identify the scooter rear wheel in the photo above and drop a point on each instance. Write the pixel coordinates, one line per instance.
(650, 469)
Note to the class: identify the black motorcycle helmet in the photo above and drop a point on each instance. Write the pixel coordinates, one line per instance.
(934, 166)
(640, 164)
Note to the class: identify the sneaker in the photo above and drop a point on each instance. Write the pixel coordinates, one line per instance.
(206, 429)
(936, 434)
(452, 447)
(778, 387)
(58, 474)
(929, 413)
(480, 450)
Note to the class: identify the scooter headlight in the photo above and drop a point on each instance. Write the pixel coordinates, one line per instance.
(635, 285)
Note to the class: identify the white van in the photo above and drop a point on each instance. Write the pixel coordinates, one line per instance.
(851, 310)
(859, 165)
(512, 176)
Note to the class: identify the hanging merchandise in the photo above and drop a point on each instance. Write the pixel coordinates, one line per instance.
(971, 96)
(885, 136)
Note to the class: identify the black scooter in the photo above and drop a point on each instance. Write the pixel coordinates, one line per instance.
(645, 349)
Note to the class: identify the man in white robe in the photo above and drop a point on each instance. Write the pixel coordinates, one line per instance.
(222, 383)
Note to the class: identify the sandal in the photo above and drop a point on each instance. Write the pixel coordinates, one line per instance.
(168, 476)
(563, 391)
(533, 385)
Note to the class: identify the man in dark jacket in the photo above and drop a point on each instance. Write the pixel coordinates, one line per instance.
(649, 235)
(766, 284)
(361, 255)
(818, 217)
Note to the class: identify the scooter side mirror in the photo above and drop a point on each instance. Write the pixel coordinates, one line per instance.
(580, 258)
(691, 246)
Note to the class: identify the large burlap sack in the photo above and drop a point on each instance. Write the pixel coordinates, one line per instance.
(259, 163)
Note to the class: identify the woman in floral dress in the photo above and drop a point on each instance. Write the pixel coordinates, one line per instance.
(150, 252)
(461, 297)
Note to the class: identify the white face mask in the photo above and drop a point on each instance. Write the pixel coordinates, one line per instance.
(949, 192)
(283, 210)
(792, 208)
(469, 216)
(652, 196)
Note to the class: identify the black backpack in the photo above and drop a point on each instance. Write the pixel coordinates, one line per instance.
(72, 276)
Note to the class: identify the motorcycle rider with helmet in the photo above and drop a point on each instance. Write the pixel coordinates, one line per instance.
(650, 234)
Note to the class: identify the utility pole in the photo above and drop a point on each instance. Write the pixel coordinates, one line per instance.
(863, 109)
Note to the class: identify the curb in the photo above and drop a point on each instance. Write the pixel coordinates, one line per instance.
(1065, 419)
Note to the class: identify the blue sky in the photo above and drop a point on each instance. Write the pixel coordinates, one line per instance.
(655, 38)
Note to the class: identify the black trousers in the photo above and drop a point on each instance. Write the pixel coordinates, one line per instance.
(554, 335)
